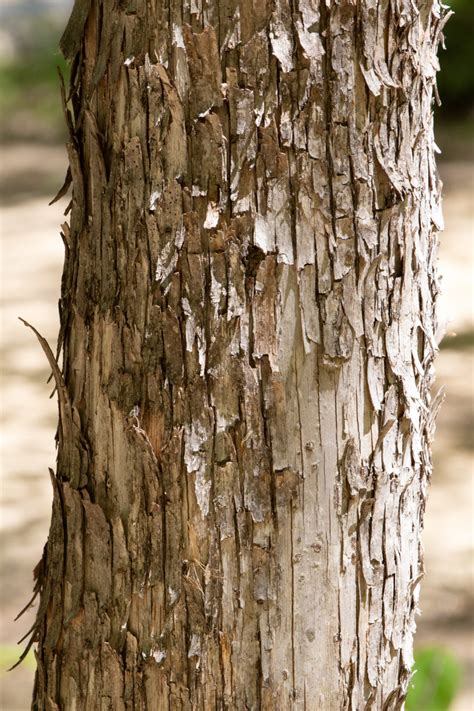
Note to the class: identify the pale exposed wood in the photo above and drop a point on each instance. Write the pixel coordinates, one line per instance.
(248, 326)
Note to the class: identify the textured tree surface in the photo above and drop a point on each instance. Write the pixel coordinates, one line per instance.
(247, 325)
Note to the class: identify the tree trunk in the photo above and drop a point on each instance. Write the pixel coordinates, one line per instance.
(248, 325)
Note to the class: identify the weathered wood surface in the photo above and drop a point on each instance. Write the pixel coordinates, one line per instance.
(248, 326)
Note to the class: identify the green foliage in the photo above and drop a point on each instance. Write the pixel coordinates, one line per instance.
(456, 79)
(436, 681)
(458, 342)
(30, 103)
(10, 654)
(35, 72)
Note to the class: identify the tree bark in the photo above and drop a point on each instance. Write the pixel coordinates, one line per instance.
(248, 325)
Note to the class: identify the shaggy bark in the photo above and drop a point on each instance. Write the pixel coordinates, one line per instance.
(248, 325)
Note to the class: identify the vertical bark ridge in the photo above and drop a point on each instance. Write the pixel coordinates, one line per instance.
(248, 324)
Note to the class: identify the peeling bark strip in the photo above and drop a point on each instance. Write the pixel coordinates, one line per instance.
(248, 325)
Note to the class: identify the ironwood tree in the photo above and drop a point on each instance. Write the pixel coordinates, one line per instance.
(248, 323)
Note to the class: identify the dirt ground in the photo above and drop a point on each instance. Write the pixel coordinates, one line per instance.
(31, 261)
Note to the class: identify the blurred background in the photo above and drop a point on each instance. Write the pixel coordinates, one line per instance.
(32, 167)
